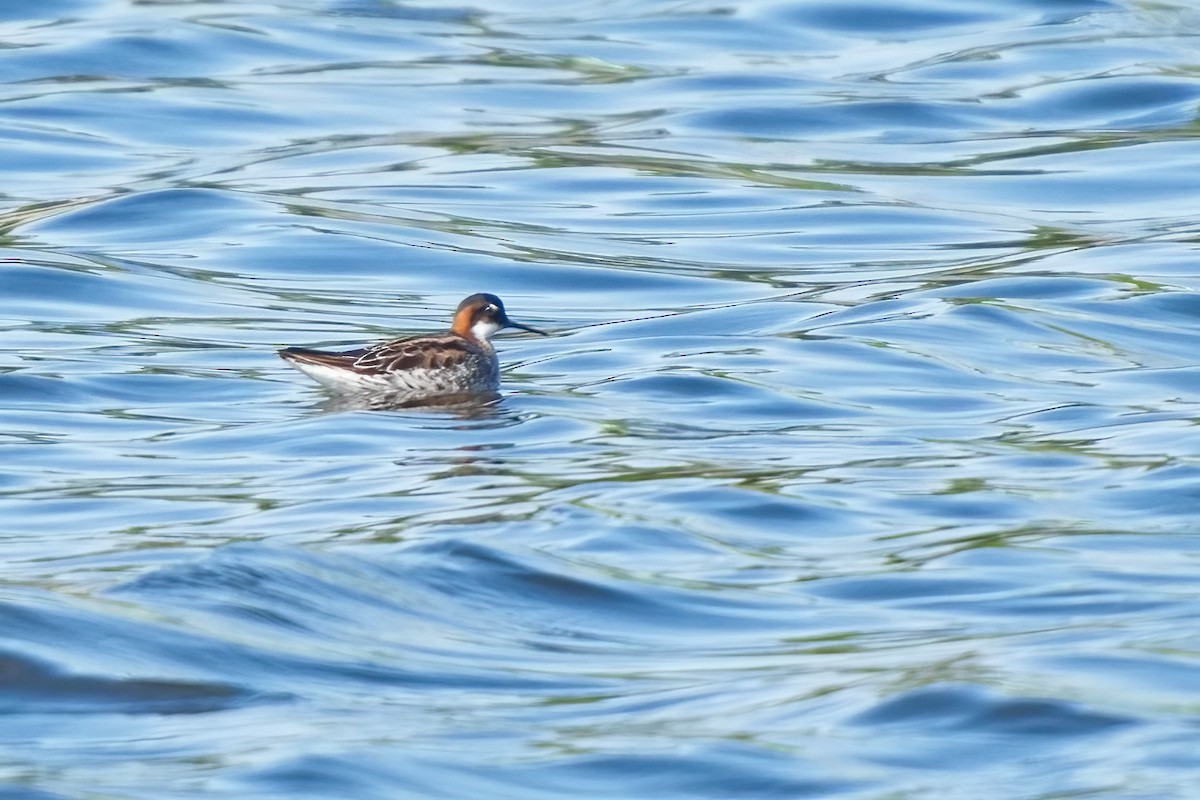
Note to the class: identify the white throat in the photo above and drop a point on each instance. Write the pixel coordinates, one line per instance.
(484, 329)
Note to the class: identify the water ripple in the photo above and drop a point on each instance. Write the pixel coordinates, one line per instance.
(861, 459)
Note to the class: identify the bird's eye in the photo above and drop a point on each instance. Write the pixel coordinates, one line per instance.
(491, 309)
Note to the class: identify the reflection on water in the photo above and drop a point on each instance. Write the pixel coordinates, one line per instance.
(862, 462)
(468, 405)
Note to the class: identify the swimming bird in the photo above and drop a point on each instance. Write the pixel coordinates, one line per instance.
(460, 362)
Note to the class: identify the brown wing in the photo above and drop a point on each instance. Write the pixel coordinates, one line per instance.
(426, 352)
(345, 359)
(402, 355)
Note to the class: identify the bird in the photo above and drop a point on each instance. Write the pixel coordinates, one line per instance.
(458, 363)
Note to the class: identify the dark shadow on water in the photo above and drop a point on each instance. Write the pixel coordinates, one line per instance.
(28, 685)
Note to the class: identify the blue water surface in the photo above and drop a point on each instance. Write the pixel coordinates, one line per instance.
(862, 461)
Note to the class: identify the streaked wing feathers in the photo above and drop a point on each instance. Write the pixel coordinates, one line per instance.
(344, 360)
(426, 352)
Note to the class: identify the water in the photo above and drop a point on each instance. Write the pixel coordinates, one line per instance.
(862, 460)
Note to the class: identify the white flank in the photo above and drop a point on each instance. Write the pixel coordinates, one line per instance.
(412, 381)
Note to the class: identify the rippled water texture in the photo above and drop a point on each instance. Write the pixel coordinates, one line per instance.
(862, 460)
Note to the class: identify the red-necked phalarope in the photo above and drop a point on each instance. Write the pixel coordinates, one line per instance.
(461, 361)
